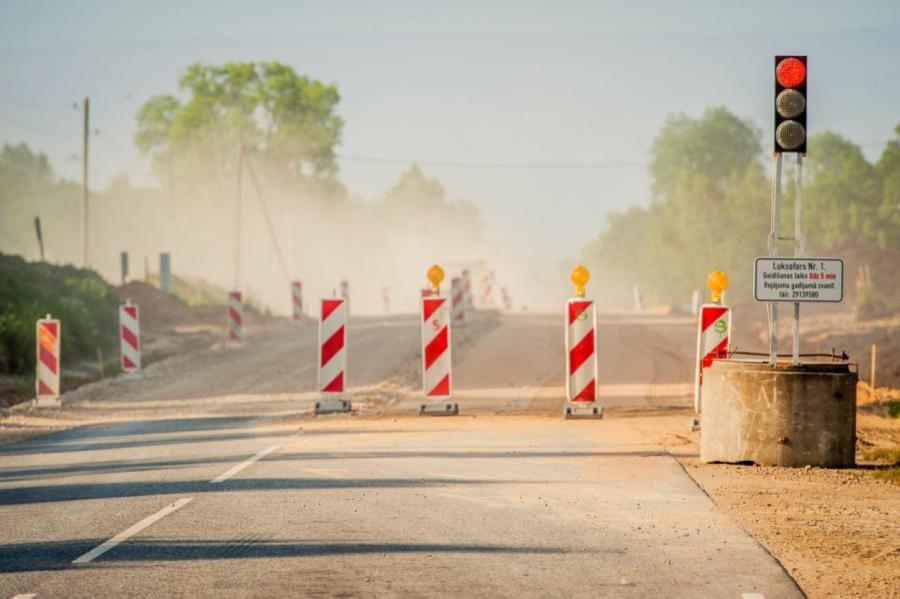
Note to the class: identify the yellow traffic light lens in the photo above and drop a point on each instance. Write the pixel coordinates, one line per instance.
(790, 135)
(790, 103)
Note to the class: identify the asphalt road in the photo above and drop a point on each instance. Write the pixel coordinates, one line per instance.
(208, 477)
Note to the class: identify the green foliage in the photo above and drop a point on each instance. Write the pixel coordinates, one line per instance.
(710, 210)
(287, 118)
(85, 304)
(711, 207)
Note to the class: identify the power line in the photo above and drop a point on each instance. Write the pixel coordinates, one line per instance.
(509, 165)
(34, 129)
(32, 105)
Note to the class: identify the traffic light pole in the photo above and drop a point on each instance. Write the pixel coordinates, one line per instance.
(799, 249)
(774, 236)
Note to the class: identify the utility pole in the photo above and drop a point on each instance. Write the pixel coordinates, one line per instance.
(84, 184)
(237, 220)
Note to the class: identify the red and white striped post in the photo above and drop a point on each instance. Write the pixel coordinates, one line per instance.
(467, 287)
(581, 352)
(48, 333)
(130, 337)
(507, 299)
(436, 349)
(458, 299)
(297, 300)
(487, 281)
(386, 299)
(332, 365)
(713, 332)
(235, 316)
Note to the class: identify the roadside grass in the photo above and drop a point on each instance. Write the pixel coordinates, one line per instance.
(890, 457)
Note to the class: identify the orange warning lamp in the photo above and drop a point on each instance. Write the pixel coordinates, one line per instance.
(717, 281)
(436, 275)
(580, 276)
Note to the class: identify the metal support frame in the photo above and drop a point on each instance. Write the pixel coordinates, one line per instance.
(799, 249)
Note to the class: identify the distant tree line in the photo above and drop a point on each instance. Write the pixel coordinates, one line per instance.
(710, 205)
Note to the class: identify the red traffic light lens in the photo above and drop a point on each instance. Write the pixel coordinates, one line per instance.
(791, 72)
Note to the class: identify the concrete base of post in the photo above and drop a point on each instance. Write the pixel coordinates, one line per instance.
(780, 415)
(439, 409)
(47, 402)
(581, 410)
(333, 406)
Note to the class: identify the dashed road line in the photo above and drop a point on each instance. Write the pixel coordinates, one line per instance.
(126, 534)
(235, 469)
(752, 596)
(25, 596)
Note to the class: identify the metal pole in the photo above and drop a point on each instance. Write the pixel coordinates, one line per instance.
(84, 184)
(773, 251)
(40, 235)
(799, 249)
(237, 221)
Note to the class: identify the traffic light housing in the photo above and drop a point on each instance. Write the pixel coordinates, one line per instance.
(790, 104)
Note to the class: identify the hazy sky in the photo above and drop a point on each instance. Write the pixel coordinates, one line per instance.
(488, 82)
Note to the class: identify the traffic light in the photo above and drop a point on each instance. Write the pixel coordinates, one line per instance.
(790, 104)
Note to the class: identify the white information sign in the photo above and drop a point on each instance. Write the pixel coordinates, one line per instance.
(798, 280)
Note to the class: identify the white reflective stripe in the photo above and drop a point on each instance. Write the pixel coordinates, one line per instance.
(711, 338)
(439, 369)
(431, 329)
(335, 320)
(338, 362)
(44, 374)
(127, 321)
(581, 377)
(329, 371)
(132, 324)
(582, 326)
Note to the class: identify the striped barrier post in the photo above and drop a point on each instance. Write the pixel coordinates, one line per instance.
(581, 352)
(467, 287)
(235, 317)
(713, 336)
(386, 299)
(332, 365)
(436, 349)
(130, 337)
(297, 300)
(488, 286)
(507, 300)
(47, 373)
(458, 299)
(713, 327)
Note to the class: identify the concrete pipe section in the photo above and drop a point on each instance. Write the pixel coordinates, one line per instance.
(780, 415)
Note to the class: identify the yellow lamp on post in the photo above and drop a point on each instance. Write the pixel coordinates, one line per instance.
(580, 276)
(436, 275)
(717, 281)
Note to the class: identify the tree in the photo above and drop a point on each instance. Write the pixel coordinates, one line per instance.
(709, 211)
(286, 118)
(715, 145)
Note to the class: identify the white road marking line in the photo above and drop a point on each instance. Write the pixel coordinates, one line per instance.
(752, 596)
(25, 596)
(125, 535)
(235, 469)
